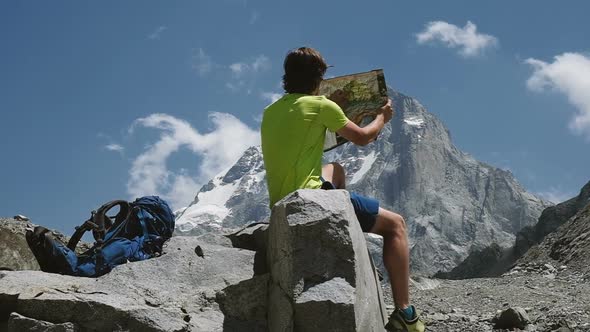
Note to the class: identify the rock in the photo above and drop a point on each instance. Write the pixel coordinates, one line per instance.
(178, 291)
(14, 250)
(251, 237)
(15, 253)
(563, 329)
(245, 304)
(215, 239)
(20, 217)
(321, 275)
(18, 323)
(511, 318)
(199, 251)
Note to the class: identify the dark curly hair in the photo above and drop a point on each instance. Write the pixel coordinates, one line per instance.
(304, 70)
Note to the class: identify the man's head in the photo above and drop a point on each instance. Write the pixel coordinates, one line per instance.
(304, 70)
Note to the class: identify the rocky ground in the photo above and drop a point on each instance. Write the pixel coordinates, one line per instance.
(554, 298)
(549, 289)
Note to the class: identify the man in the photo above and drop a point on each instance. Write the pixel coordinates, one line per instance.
(293, 131)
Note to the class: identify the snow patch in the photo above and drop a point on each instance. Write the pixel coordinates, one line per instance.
(210, 207)
(367, 163)
(253, 180)
(415, 121)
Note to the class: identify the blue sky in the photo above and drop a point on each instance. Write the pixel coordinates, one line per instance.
(115, 99)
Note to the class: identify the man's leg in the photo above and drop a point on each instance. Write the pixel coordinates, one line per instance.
(396, 255)
(334, 173)
(392, 226)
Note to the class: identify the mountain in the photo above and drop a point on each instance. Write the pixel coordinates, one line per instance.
(551, 219)
(233, 198)
(563, 235)
(493, 261)
(453, 204)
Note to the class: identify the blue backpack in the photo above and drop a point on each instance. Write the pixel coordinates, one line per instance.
(137, 232)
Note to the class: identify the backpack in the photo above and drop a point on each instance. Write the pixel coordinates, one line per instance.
(137, 232)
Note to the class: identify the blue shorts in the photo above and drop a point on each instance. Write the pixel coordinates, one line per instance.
(365, 208)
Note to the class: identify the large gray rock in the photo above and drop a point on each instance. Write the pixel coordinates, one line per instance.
(179, 291)
(511, 318)
(14, 250)
(322, 278)
(15, 254)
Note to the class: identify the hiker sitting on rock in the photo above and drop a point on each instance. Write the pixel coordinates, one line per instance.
(293, 131)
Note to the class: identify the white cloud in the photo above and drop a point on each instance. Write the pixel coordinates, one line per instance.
(218, 150)
(244, 73)
(258, 64)
(271, 96)
(156, 34)
(261, 62)
(201, 62)
(238, 68)
(555, 195)
(238, 76)
(115, 147)
(467, 39)
(568, 74)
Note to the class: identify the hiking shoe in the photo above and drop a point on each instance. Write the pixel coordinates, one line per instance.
(399, 323)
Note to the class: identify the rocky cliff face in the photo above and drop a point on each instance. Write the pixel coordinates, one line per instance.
(493, 260)
(453, 203)
(569, 243)
(551, 219)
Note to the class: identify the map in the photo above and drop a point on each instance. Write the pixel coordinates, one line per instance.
(359, 95)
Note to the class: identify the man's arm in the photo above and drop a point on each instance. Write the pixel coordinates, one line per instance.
(367, 134)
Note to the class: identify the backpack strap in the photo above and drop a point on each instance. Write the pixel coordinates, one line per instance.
(100, 222)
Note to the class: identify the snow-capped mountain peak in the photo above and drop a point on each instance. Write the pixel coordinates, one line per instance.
(212, 208)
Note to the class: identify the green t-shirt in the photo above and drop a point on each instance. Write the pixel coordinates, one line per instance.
(293, 131)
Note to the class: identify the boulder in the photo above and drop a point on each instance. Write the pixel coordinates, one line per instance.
(15, 254)
(511, 318)
(14, 250)
(178, 291)
(251, 237)
(321, 274)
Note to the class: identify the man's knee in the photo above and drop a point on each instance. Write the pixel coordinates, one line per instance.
(395, 224)
(337, 168)
(334, 172)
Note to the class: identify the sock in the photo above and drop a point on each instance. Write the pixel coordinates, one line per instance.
(409, 312)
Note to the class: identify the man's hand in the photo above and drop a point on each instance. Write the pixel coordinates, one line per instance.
(387, 111)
